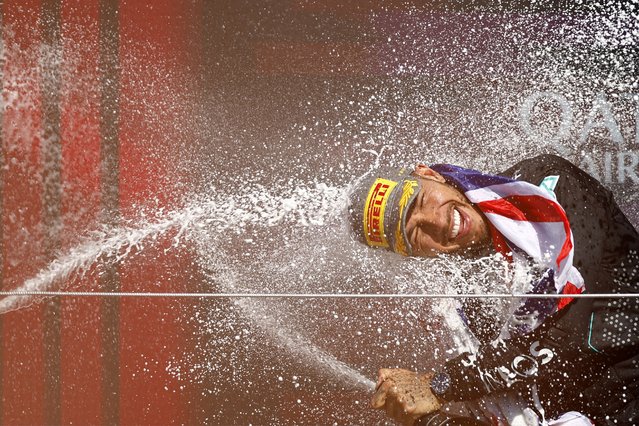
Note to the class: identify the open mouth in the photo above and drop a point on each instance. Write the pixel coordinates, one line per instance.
(456, 224)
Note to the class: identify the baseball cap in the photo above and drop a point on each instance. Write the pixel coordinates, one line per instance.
(379, 204)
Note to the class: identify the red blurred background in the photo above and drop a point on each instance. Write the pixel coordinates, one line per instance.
(80, 113)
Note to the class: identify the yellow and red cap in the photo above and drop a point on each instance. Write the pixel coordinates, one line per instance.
(379, 205)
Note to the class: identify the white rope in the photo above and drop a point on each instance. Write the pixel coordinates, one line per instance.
(320, 295)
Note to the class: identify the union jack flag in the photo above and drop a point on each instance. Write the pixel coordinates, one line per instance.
(526, 222)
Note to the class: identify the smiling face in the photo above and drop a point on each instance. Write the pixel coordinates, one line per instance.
(442, 220)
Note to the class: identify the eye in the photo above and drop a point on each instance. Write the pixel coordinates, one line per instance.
(417, 231)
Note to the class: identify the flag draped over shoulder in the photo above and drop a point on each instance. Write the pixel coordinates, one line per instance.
(526, 222)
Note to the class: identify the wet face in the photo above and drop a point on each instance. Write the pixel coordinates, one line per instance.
(442, 220)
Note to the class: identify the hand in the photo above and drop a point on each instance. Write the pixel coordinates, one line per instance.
(405, 395)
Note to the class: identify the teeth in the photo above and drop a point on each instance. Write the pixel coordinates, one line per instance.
(456, 223)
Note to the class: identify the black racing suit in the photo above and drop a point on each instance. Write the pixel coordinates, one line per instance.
(585, 358)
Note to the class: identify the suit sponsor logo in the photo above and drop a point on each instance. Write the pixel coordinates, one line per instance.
(520, 368)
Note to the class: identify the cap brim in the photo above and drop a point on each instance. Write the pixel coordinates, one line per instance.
(407, 193)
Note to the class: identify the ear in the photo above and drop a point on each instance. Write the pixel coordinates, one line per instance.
(426, 172)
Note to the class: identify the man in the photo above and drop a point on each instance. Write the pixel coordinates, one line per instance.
(556, 356)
